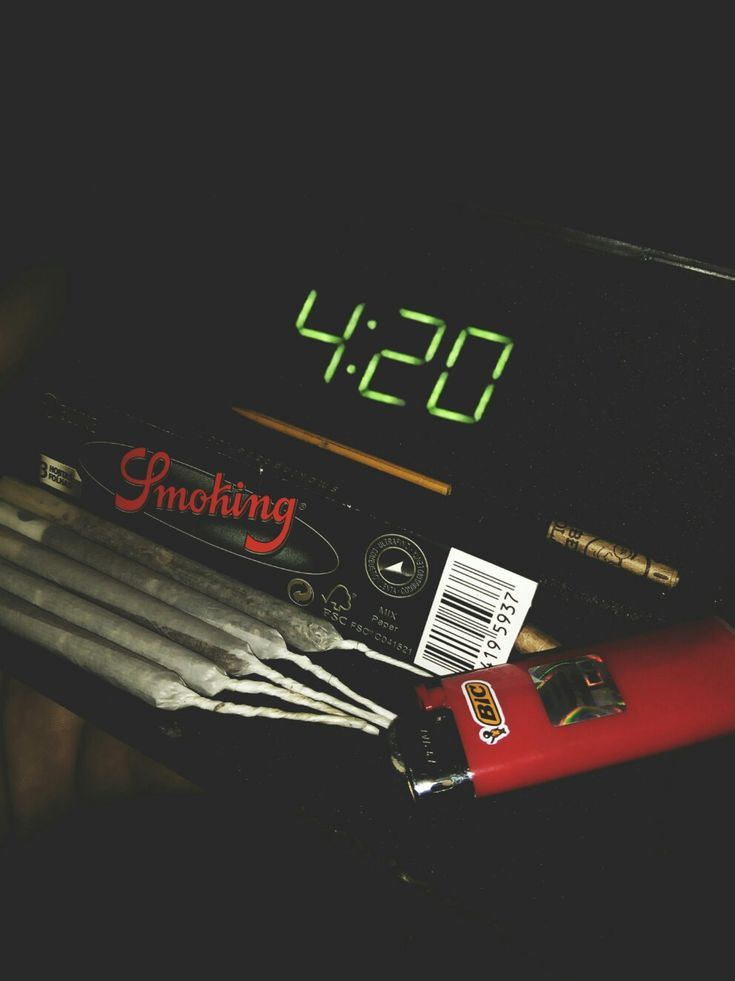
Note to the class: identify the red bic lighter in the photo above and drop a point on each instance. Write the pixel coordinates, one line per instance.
(571, 710)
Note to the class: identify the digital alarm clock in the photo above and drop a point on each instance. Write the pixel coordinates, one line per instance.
(539, 373)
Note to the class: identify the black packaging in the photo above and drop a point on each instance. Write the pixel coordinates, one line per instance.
(259, 516)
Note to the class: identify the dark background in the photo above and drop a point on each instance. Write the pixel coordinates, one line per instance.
(584, 875)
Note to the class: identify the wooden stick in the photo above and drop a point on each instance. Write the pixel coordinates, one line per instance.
(359, 456)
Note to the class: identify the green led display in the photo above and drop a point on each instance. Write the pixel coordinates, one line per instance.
(319, 335)
(454, 354)
(370, 393)
(365, 385)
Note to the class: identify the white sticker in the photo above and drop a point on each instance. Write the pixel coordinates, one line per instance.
(60, 476)
(476, 615)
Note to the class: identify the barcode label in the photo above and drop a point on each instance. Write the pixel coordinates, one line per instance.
(477, 613)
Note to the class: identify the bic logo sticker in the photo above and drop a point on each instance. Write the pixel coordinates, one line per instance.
(486, 711)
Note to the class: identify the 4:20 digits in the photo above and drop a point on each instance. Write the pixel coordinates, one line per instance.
(438, 327)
